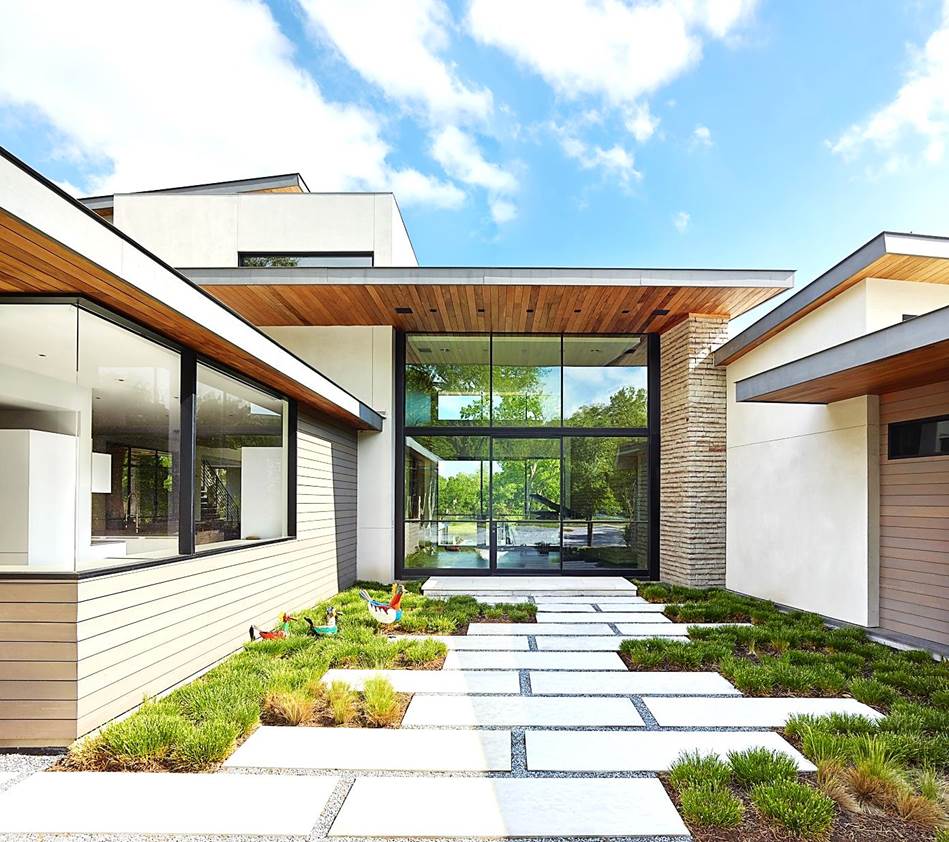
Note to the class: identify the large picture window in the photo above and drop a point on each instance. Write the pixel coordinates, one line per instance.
(526, 453)
(240, 462)
(97, 451)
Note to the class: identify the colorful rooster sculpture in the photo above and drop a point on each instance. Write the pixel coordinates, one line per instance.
(329, 628)
(386, 612)
(282, 631)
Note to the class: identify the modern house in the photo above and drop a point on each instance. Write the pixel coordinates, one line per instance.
(222, 401)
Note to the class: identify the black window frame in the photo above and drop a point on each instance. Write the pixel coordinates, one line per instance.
(242, 255)
(891, 454)
(650, 433)
(189, 360)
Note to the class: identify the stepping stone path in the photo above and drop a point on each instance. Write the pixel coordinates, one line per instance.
(529, 730)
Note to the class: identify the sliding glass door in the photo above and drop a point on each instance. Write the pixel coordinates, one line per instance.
(525, 454)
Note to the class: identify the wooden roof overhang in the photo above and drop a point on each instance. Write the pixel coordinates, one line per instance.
(888, 256)
(911, 353)
(481, 300)
(52, 245)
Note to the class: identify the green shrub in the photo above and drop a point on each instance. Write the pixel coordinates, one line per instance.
(760, 766)
(380, 702)
(711, 806)
(799, 808)
(694, 769)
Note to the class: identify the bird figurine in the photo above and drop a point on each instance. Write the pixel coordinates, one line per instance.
(328, 628)
(386, 612)
(282, 631)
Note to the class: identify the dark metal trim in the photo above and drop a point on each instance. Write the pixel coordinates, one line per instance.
(398, 543)
(293, 432)
(188, 452)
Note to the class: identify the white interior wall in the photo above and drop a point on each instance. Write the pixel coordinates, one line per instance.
(361, 360)
(190, 231)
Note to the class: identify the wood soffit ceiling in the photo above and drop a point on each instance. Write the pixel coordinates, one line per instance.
(31, 263)
(480, 308)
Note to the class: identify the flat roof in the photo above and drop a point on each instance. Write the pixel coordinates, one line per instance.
(472, 299)
(911, 353)
(287, 181)
(889, 255)
(51, 244)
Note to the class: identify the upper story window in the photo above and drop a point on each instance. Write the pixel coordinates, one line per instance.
(923, 437)
(304, 259)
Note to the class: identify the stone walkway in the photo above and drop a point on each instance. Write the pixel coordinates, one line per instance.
(530, 730)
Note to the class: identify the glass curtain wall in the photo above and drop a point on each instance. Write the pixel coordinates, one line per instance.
(526, 453)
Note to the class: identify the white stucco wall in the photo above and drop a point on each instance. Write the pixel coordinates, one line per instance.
(803, 480)
(191, 231)
(361, 360)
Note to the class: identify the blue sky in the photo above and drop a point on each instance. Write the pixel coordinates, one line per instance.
(718, 133)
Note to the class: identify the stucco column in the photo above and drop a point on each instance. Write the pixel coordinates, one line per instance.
(692, 464)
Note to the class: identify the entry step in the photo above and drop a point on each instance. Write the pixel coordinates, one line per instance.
(572, 586)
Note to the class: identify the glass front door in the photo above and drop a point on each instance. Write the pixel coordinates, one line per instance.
(525, 504)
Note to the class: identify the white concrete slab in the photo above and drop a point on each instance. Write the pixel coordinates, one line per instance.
(632, 607)
(587, 644)
(601, 617)
(531, 585)
(572, 607)
(6, 777)
(141, 803)
(432, 681)
(387, 749)
(538, 628)
(755, 713)
(509, 711)
(630, 683)
(646, 629)
(593, 600)
(642, 751)
(485, 642)
(446, 808)
(534, 660)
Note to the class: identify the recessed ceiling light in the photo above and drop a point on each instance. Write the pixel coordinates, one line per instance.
(120, 379)
(529, 310)
(660, 312)
(481, 309)
(425, 350)
(576, 311)
(403, 310)
(432, 310)
(41, 355)
(624, 312)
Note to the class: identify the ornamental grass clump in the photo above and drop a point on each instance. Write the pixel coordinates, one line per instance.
(707, 805)
(342, 702)
(760, 765)
(380, 703)
(287, 707)
(693, 769)
(798, 808)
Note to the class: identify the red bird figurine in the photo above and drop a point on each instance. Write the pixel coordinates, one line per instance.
(277, 634)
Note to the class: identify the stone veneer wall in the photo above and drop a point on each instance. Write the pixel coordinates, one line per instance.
(692, 465)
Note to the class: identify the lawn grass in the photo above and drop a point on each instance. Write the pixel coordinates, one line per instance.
(886, 776)
(198, 725)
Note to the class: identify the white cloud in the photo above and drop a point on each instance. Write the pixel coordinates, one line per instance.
(189, 92)
(702, 136)
(919, 111)
(398, 47)
(681, 221)
(457, 152)
(615, 161)
(641, 123)
(503, 211)
(412, 187)
(620, 51)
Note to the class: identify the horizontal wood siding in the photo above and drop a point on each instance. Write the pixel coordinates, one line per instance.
(38, 662)
(914, 524)
(139, 633)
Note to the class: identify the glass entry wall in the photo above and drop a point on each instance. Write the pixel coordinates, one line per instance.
(526, 453)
